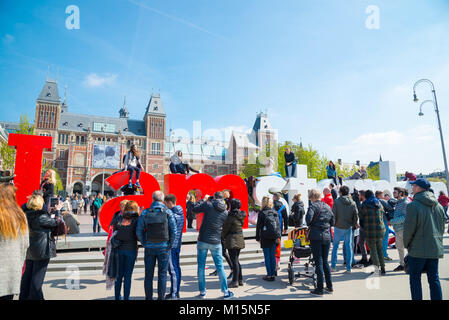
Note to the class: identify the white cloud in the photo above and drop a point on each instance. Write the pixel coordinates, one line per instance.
(417, 149)
(94, 80)
(7, 39)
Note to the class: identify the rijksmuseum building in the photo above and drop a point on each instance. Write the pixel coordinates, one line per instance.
(85, 146)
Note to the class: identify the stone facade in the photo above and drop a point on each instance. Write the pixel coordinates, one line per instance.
(79, 141)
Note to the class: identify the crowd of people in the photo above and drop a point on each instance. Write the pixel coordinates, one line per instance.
(363, 220)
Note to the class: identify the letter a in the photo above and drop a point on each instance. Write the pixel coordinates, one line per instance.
(72, 21)
(373, 20)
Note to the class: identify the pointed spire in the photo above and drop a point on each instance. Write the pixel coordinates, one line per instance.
(380, 158)
(65, 94)
(123, 112)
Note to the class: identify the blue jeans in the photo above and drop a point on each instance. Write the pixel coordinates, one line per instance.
(270, 260)
(216, 251)
(416, 266)
(96, 224)
(385, 239)
(346, 235)
(131, 170)
(127, 259)
(151, 255)
(293, 170)
(175, 272)
(177, 168)
(320, 251)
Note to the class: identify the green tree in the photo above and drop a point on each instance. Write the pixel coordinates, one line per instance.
(373, 172)
(7, 153)
(250, 169)
(345, 171)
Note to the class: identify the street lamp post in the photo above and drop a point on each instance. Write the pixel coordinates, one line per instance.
(435, 103)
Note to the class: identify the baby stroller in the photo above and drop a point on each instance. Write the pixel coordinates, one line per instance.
(300, 257)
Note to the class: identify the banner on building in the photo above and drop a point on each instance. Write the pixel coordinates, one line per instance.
(109, 158)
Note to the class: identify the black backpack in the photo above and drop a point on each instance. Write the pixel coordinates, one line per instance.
(271, 227)
(156, 224)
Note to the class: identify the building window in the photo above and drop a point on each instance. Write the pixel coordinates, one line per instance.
(63, 138)
(155, 166)
(155, 148)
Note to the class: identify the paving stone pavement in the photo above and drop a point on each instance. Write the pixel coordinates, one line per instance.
(358, 285)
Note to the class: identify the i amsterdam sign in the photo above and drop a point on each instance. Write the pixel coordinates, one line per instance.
(29, 149)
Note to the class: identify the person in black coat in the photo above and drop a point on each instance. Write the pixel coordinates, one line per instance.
(48, 187)
(298, 211)
(189, 207)
(42, 248)
(290, 160)
(233, 239)
(320, 219)
(268, 245)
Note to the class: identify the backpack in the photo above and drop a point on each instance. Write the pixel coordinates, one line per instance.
(156, 225)
(271, 227)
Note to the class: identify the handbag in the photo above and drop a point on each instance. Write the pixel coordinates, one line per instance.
(60, 229)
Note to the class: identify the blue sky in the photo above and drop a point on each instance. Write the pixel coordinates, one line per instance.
(313, 65)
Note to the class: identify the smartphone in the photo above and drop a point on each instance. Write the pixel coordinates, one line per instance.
(54, 202)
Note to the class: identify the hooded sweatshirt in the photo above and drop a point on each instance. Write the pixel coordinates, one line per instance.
(424, 227)
(215, 215)
(175, 159)
(345, 212)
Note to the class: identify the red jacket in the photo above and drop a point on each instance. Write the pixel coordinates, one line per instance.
(410, 177)
(328, 200)
(443, 200)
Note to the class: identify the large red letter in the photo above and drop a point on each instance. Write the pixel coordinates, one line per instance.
(238, 190)
(28, 167)
(149, 185)
(180, 185)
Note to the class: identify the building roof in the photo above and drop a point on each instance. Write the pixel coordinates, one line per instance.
(262, 123)
(10, 127)
(3, 133)
(81, 123)
(155, 106)
(49, 92)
